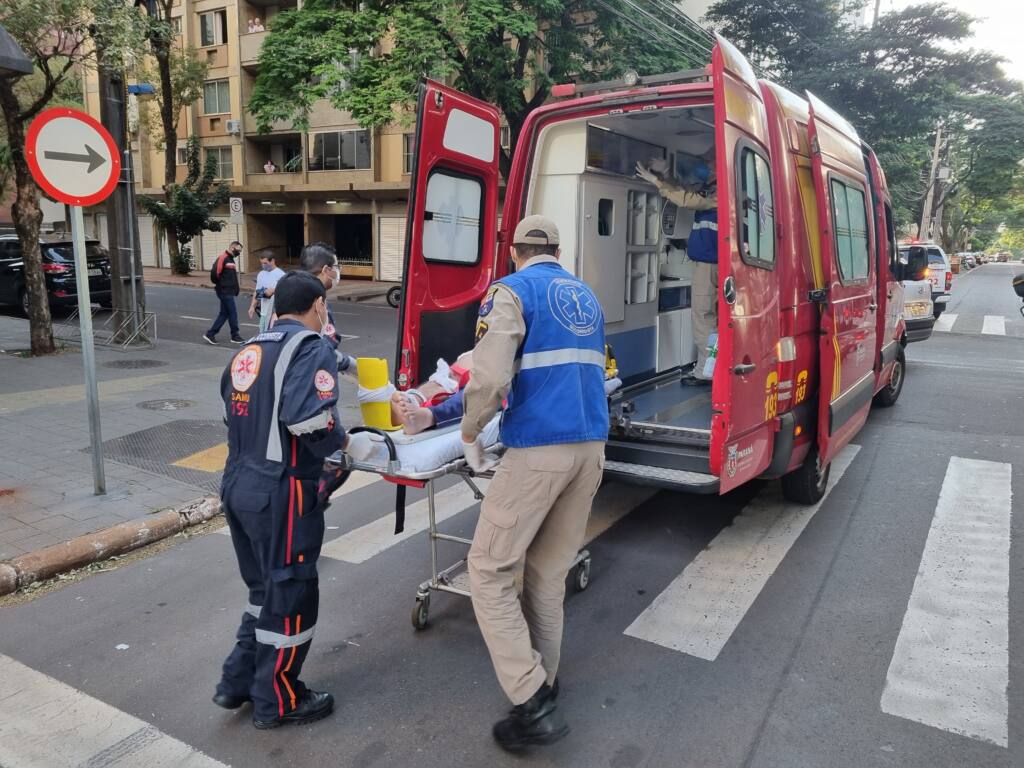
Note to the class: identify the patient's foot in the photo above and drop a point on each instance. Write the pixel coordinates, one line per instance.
(413, 419)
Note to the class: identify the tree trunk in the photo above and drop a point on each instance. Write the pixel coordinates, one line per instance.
(27, 219)
(169, 121)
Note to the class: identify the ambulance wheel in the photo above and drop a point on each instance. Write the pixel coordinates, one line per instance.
(421, 612)
(581, 578)
(806, 484)
(890, 393)
(395, 296)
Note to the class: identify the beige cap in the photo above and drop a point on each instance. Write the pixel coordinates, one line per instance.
(536, 230)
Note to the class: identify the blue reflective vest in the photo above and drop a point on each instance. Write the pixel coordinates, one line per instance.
(703, 242)
(557, 394)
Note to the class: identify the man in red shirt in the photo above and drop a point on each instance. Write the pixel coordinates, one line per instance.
(224, 276)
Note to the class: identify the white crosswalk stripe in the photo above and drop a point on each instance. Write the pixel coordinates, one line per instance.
(45, 723)
(950, 667)
(945, 321)
(699, 611)
(994, 325)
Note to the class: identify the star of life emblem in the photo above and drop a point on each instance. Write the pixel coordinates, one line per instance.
(574, 306)
(324, 381)
(246, 367)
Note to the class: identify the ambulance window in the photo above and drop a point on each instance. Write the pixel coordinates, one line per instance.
(451, 219)
(757, 211)
(890, 235)
(851, 231)
(605, 216)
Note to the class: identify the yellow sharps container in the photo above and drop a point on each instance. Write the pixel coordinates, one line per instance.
(373, 374)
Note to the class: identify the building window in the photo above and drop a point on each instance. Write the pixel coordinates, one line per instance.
(213, 28)
(182, 156)
(225, 169)
(176, 25)
(216, 97)
(408, 150)
(340, 151)
(757, 211)
(850, 221)
(506, 137)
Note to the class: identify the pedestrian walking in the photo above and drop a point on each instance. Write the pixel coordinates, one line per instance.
(701, 248)
(279, 393)
(224, 276)
(540, 346)
(267, 278)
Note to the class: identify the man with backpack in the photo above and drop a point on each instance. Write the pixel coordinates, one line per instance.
(224, 276)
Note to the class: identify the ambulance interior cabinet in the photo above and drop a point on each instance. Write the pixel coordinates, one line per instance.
(675, 340)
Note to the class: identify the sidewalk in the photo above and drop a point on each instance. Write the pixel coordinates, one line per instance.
(162, 429)
(346, 290)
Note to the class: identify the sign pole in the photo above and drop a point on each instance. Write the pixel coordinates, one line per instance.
(88, 352)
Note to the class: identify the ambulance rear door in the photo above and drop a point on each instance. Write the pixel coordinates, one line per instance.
(744, 393)
(848, 339)
(450, 240)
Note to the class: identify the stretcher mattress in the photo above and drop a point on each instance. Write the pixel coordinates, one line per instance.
(429, 450)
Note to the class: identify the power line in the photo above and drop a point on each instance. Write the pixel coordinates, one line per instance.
(649, 32)
(687, 44)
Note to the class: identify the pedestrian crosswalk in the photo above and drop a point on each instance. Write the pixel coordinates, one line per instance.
(985, 325)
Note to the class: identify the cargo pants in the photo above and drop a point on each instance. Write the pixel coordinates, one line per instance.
(533, 519)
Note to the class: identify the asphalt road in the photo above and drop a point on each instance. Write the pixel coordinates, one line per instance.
(884, 627)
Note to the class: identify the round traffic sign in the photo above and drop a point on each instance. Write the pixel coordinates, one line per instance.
(72, 157)
(235, 204)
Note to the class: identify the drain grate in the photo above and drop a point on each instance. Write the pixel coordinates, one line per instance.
(135, 364)
(166, 405)
(157, 448)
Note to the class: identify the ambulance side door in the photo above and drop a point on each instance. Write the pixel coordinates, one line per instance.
(848, 334)
(451, 229)
(745, 389)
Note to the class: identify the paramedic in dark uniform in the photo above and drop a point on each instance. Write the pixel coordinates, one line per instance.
(540, 345)
(702, 249)
(279, 395)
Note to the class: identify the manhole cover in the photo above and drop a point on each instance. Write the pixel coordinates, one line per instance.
(166, 405)
(135, 364)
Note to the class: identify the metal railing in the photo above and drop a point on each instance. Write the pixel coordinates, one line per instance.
(119, 329)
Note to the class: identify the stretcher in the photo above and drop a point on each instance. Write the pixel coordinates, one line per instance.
(419, 461)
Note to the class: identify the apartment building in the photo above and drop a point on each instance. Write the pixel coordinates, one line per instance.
(336, 182)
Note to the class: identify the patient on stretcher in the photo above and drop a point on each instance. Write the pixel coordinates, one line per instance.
(437, 403)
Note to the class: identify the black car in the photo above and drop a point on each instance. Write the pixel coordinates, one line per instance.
(59, 271)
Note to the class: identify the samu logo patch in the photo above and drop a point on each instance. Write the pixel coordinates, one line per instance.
(574, 306)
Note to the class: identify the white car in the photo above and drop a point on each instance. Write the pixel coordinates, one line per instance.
(940, 273)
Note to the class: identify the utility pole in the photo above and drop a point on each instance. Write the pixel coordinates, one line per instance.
(874, 20)
(122, 230)
(925, 227)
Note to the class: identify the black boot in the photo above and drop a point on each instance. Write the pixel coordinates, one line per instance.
(313, 706)
(228, 701)
(536, 721)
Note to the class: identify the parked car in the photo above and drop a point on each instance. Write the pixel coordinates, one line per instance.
(967, 262)
(58, 270)
(940, 273)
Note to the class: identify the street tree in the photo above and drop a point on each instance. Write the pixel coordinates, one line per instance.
(187, 210)
(180, 75)
(59, 36)
(368, 57)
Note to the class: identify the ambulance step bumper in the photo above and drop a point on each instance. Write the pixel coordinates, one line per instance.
(661, 477)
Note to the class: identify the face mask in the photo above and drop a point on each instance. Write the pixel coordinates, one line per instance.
(267, 267)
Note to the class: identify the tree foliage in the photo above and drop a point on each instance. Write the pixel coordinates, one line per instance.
(368, 57)
(188, 209)
(187, 75)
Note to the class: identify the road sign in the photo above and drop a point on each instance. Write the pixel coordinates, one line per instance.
(72, 157)
(237, 210)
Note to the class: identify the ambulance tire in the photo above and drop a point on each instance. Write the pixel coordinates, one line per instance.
(890, 393)
(807, 483)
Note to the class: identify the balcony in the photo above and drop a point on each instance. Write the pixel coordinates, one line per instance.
(272, 180)
(278, 126)
(249, 45)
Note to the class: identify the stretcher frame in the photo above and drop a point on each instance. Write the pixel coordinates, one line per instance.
(444, 580)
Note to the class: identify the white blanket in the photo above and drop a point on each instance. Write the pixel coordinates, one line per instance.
(428, 450)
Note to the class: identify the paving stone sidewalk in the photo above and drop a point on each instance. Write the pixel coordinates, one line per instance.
(161, 427)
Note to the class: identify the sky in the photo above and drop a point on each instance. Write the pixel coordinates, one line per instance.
(998, 29)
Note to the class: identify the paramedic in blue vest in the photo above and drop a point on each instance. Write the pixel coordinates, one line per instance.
(280, 392)
(540, 346)
(702, 249)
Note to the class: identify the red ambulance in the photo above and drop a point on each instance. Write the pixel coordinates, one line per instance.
(810, 327)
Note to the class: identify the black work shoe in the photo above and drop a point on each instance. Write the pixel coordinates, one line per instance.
(536, 721)
(237, 340)
(314, 705)
(228, 701)
(210, 339)
(554, 689)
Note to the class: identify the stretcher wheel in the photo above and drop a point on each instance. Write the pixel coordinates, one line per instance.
(421, 612)
(581, 578)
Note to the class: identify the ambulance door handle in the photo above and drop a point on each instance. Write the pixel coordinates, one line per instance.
(744, 368)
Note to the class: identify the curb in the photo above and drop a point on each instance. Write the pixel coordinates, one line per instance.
(92, 547)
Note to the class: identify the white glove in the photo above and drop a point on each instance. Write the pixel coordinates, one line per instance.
(360, 446)
(478, 461)
(644, 173)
